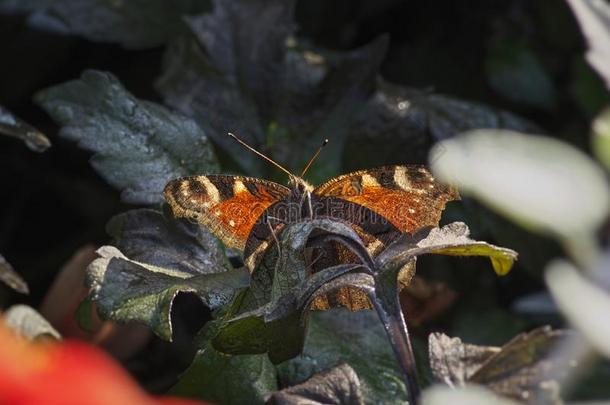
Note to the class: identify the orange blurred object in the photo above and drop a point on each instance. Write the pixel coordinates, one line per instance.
(63, 298)
(66, 373)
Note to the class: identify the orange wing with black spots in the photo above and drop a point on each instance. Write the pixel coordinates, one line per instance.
(227, 205)
(407, 196)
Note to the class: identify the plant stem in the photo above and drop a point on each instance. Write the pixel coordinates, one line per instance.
(387, 304)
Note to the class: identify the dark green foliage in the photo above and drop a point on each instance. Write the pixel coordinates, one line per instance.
(222, 378)
(134, 24)
(139, 146)
(159, 258)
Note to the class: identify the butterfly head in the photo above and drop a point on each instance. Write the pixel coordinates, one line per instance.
(299, 186)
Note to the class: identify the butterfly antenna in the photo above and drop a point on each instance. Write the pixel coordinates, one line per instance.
(268, 159)
(314, 157)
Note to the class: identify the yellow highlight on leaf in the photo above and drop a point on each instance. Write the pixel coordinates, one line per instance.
(502, 259)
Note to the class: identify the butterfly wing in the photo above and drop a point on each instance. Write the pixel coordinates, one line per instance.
(227, 205)
(407, 196)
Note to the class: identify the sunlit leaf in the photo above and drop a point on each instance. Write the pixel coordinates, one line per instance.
(27, 322)
(453, 240)
(539, 182)
(139, 146)
(10, 277)
(601, 137)
(12, 126)
(339, 385)
(584, 303)
(125, 290)
(594, 19)
(134, 23)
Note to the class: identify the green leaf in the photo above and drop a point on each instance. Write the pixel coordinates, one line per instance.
(279, 99)
(541, 183)
(271, 316)
(514, 71)
(125, 290)
(594, 19)
(588, 89)
(27, 322)
(399, 123)
(356, 338)
(226, 379)
(601, 137)
(339, 385)
(11, 278)
(452, 240)
(12, 126)
(84, 315)
(135, 24)
(139, 146)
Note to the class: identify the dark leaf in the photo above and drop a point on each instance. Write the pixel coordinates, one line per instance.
(399, 123)
(11, 278)
(519, 369)
(356, 338)
(139, 146)
(27, 322)
(337, 386)
(279, 327)
(125, 290)
(155, 238)
(134, 24)
(226, 379)
(271, 316)
(514, 70)
(13, 126)
(247, 80)
(588, 89)
(480, 321)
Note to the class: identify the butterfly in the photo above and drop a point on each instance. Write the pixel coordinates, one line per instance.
(246, 213)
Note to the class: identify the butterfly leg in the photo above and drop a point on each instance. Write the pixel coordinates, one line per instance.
(274, 236)
(306, 201)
